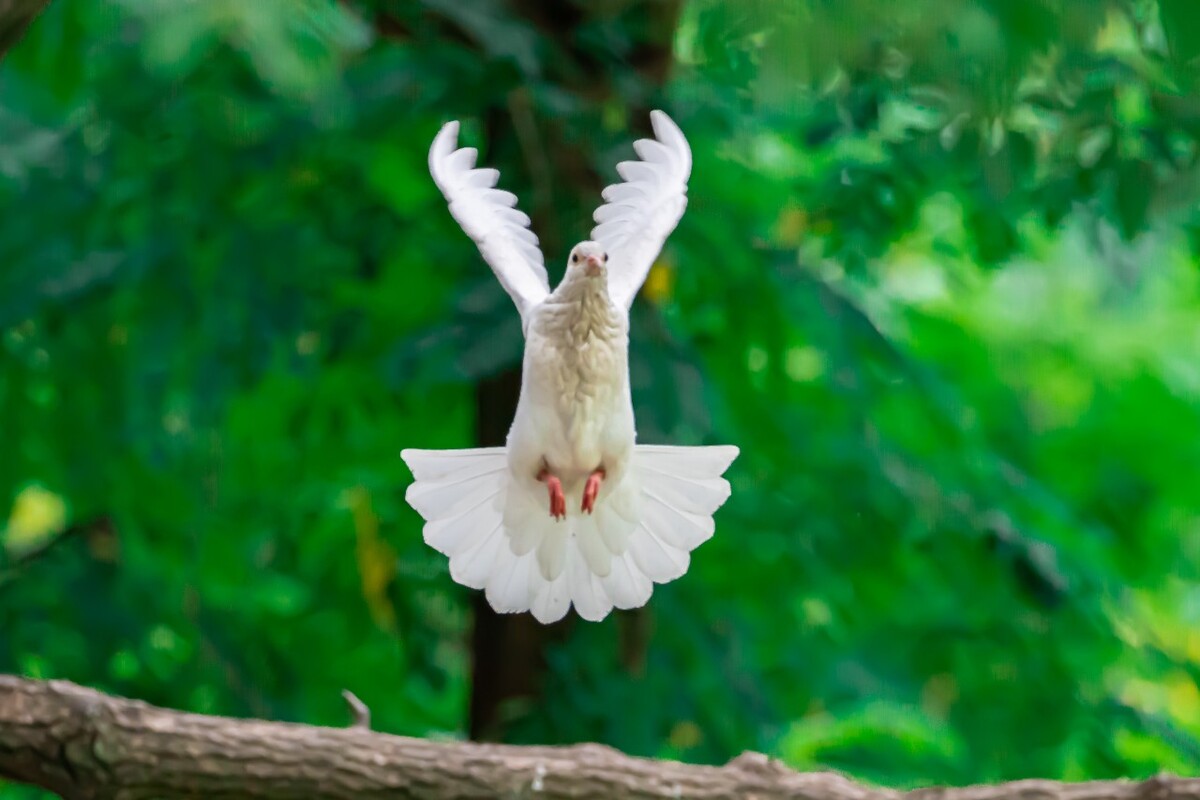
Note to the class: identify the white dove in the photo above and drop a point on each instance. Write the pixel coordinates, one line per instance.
(571, 510)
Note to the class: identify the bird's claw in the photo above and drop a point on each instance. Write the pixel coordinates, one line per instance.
(558, 501)
(591, 489)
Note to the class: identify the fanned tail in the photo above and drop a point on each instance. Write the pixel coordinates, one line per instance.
(503, 541)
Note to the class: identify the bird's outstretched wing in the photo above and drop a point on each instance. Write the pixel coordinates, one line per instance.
(490, 217)
(639, 214)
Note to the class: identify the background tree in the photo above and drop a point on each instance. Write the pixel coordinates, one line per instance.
(937, 279)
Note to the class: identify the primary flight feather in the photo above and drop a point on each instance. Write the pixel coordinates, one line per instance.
(571, 510)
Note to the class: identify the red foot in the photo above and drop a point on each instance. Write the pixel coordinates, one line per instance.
(558, 502)
(592, 488)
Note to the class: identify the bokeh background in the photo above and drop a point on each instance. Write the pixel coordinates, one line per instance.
(938, 279)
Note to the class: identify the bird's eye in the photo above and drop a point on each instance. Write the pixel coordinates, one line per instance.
(574, 258)
(606, 258)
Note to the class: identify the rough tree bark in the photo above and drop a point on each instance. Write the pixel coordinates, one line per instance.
(15, 17)
(85, 745)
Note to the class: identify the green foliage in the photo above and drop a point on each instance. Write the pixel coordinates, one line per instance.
(937, 279)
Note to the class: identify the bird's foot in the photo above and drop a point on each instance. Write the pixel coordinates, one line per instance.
(592, 488)
(558, 501)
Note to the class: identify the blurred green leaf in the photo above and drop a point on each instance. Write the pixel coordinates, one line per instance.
(936, 280)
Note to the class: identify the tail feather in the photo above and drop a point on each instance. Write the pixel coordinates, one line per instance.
(474, 565)
(625, 506)
(451, 482)
(444, 501)
(503, 541)
(527, 524)
(686, 462)
(551, 599)
(682, 530)
(451, 534)
(588, 541)
(658, 561)
(552, 555)
(432, 465)
(508, 589)
(627, 585)
(701, 496)
(591, 601)
(614, 529)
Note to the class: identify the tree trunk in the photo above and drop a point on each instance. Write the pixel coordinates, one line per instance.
(84, 745)
(15, 17)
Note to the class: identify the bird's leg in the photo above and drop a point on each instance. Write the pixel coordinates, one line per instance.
(592, 488)
(558, 501)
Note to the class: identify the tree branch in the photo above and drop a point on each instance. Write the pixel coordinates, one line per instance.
(85, 745)
(15, 17)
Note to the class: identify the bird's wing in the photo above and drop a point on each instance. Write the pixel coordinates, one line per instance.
(490, 217)
(639, 213)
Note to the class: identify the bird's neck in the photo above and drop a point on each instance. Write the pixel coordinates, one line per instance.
(580, 308)
(577, 287)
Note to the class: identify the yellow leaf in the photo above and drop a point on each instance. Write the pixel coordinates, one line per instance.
(938, 695)
(37, 514)
(686, 735)
(790, 226)
(804, 364)
(1182, 697)
(1117, 35)
(376, 559)
(659, 283)
(816, 612)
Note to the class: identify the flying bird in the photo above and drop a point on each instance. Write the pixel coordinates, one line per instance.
(571, 510)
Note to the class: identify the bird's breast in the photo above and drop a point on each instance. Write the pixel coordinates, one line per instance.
(578, 373)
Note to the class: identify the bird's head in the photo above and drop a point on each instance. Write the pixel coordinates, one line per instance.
(589, 259)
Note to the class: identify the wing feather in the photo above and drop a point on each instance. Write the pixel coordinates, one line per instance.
(490, 217)
(640, 213)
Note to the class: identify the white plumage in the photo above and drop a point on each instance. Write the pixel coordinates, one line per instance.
(571, 510)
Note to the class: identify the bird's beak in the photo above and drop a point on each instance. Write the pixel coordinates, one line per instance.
(593, 266)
